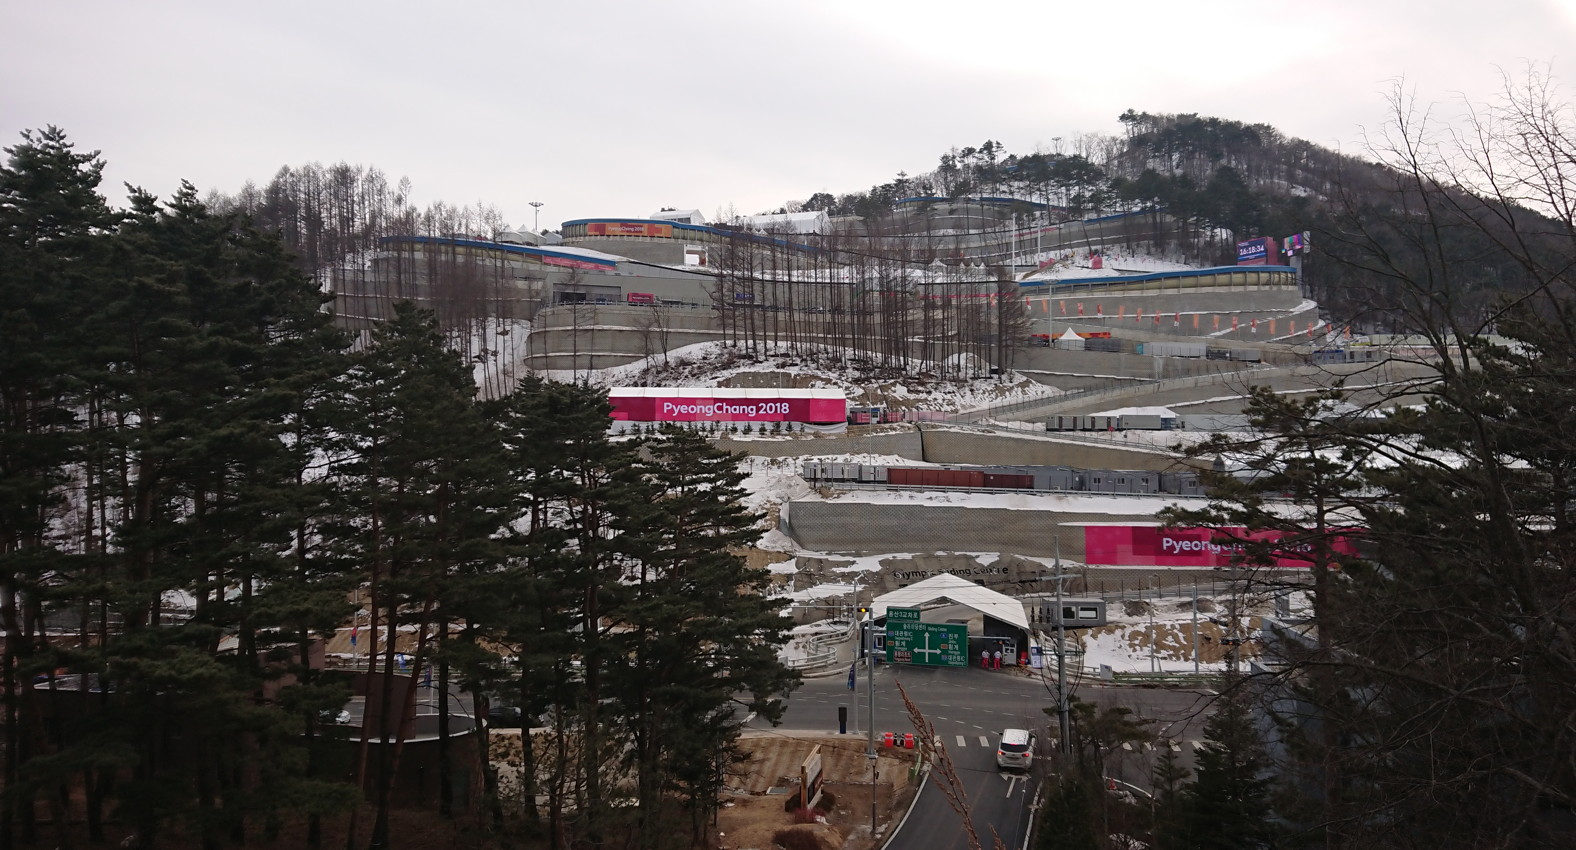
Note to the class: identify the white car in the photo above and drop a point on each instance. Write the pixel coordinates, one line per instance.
(1016, 749)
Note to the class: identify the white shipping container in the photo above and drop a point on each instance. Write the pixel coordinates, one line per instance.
(1141, 422)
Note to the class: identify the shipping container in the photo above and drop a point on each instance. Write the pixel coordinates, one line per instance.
(812, 471)
(1174, 349)
(1247, 355)
(1112, 346)
(1182, 483)
(1141, 422)
(1008, 481)
(962, 478)
(1217, 354)
(1103, 423)
(867, 473)
(1054, 478)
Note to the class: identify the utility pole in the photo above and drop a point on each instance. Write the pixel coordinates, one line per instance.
(1152, 667)
(1195, 628)
(1061, 652)
(870, 727)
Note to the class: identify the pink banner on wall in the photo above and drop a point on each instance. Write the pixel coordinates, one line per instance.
(1156, 546)
(701, 409)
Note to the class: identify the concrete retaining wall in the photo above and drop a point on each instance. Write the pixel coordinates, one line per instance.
(854, 527)
(907, 444)
(986, 449)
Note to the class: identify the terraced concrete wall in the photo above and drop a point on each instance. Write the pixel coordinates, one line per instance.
(961, 447)
(853, 527)
(1075, 370)
(597, 336)
(968, 447)
(907, 444)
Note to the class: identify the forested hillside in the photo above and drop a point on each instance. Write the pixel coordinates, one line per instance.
(1222, 181)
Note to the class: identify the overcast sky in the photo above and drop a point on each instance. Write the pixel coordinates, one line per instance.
(617, 108)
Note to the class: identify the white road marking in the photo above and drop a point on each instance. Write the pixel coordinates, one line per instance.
(748, 718)
(960, 741)
(984, 741)
(1012, 780)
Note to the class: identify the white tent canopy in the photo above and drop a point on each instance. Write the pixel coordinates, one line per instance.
(948, 587)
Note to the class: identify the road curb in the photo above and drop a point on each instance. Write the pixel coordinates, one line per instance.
(924, 779)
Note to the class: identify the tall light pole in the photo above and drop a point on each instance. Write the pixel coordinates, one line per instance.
(536, 217)
(870, 727)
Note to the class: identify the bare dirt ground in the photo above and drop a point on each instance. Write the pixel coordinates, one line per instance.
(752, 815)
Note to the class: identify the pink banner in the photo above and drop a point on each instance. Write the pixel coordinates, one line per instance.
(573, 264)
(701, 409)
(1156, 546)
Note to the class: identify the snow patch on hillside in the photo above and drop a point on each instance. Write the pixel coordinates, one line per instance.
(718, 364)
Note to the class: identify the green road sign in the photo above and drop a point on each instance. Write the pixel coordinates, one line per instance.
(908, 641)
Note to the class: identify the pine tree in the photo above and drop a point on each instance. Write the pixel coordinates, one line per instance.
(1228, 805)
(199, 338)
(566, 580)
(52, 248)
(1168, 781)
(700, 629)
(1066, 821)
(415, 470)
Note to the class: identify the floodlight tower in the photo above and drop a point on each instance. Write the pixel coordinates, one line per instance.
(536, 217)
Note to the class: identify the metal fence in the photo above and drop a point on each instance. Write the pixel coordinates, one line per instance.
(824, 652)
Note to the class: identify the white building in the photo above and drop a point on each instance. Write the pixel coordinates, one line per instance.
(799, 222)
(680, 216)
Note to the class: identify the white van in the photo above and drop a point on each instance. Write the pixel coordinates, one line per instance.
(1016, 749)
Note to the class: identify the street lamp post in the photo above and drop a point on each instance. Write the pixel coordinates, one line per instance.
(870, 727)
(536, 217)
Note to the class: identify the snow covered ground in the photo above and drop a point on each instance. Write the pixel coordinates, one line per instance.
(715, 364)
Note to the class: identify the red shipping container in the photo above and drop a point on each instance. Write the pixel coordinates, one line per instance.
(962, 478)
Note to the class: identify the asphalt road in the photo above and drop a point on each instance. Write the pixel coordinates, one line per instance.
(968, 709)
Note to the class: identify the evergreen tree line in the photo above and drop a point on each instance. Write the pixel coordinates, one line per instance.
(201, 479)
